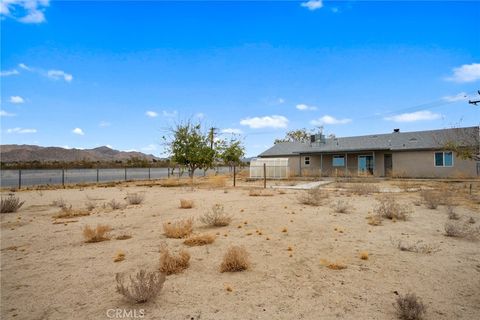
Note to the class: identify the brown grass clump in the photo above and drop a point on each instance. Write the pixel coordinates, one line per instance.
(172, 264)
(10, 204)
(364, 255)
(143, 287)
(115, 205)
(409, 307)
(363, 189)
(374, 220)
(123, 237)
(89, 205)
(218, 181)
(333, 265)
(216, 217)
(119, 256)
(135, 198)
(259, 193)
(98, 234)
(431, 198)
(59, 203)
(313, 197)
(66, 213)
(178, 229)
(199, 240)
(186, 204)
(390, 209)
(235, 259)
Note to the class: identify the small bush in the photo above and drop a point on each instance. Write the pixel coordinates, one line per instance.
(10, 204)
(171, 264)
(199, 240)
(409, 307)
(374, 220)
(218, 181)
(363, 189)
(59, 203)
(235, 259)
(452, 215)
(135, 198)
(313, 197)
(143, 287)
(119, 256)
(471, 220)
(341, 206)
(98, 234)
(259, 193)
(364, 255)
(333, 265)
(68, 212)
(418, 247)
(216, 217)
(431, 198)
(115, 205)
(90, 205)
(123, 237)
(186, 204)
(178, 229)
(459, 230)
(390, 209)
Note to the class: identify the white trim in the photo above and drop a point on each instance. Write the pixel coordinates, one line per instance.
(443, 159)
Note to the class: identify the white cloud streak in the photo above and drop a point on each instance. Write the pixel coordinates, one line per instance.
(24, 11)
(168, 114)
(59, 74)
(78, 131)
(8, 73)
(151, 114)
(274, 121)
(16, 100)
(4, 113)
(312, 4)
(462, 96)
(414, 116)
(304, 107)
(326, 119)
(231, 131)
(465, 73)
(21, 130)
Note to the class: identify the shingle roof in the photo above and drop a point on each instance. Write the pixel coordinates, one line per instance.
(395, 141)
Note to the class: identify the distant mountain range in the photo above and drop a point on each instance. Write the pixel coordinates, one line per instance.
(26, 153)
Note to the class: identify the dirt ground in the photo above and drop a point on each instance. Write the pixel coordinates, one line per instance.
(49, 272)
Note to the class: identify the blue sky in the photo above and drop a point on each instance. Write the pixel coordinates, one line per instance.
(86, 74)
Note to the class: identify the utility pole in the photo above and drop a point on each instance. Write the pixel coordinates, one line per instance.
(211, 135)
(474, 102)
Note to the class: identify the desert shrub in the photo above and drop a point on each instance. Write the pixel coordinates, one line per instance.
(170, 182)
(143, 287)
(259, 193)
(10, 204)
(341, 206)
(186, 204)
(409, 307)
(216, 217)
(115, 205)
(418, 247)
(333, 265)
(390, 209)
(235, 259)
(119, 256)
(313, 197)
(178, 229)
(374, 220)
(218, 181)
(59, 203)
(452, 215)
(98, 234)
(171, 263)
(123, 236)
(461, 230)
(89, 205)
(135, 198)
(363, 188)
(431, 198)
(364, 255)
(199, 240)
(69, 212)
(471, 220)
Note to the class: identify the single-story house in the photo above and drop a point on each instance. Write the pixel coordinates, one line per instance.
(420, 154)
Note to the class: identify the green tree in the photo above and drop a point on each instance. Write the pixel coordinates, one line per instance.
(299, 135)
(232, 152)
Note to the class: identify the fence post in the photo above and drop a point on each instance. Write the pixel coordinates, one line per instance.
(98, 175)
(234, 176)
(63, 178)
(125, 173)
(20, 179)
(149, 176)
(168, 172)
(264, 176)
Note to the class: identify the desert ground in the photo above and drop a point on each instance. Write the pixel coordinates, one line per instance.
(305, 259)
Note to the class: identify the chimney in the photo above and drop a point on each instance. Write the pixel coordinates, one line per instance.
(396, 130)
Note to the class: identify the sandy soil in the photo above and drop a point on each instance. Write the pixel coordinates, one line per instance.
(48, 272)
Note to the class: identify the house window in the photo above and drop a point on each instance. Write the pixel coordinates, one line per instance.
(444, 159)
(338, 161)
(306, 161)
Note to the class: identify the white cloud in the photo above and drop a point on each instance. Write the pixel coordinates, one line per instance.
(151, 114)
(462, 96)
(312, 4)
(59, 74)
(16, 99)
(304, 107)
(24, 67)
(25, 11)
(200, 115)
(326, 119)
(150, 147)
(167, 114)
(466, 73)
(104, 124)
(7, 73)
(231, 131)
(280, 100)
(78, 131)
(4, 113)
(21, 130)
(414, 116)
(265, 122)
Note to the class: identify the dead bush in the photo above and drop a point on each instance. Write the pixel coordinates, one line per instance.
(259, 193)
(89, 205)
(333, 265)
(235, 259)
(199, 240)
(452, 215)
(123, 236)
(143, 287)
(374, 220)
(178, 229)
(98, 234)
(471, 220)
(216, 217)
(417, 247)
(115, 205)
(313, 197)
(10, 204)
(186, 204)
(68, 212)
(461, 230)
(59, 203)
(363, 188)
(171, 263)
(135, 198)
(431, 198)
(409, 307)
(218, 181)
(119, 256)
(341, 206)
(390, 209)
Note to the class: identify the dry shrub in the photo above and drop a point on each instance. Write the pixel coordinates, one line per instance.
(341, 206)
(199, 240)
(10, 204)
(390, 209)
(418, 247)
(218, 181)
(364, 255)
(89, 205)
(172, 264)
(409, 307)
(313, 197)
(431, 198)
(143, 287)
(374, 220)
(259, 193)
(281, 191)
(363, 188)
(135, 198)
(170, 182)
(66, 213)
(119, 256)
(178, 229)
(59, 203)
(115, 205)
(461, 230)
(123, 237)
(333, 265)
(186, 204)
(235, 259)
(216, 217)
(98, 234)
(471, 220)
(452, 215)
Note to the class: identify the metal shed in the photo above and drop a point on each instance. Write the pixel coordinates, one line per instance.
(275, 168)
